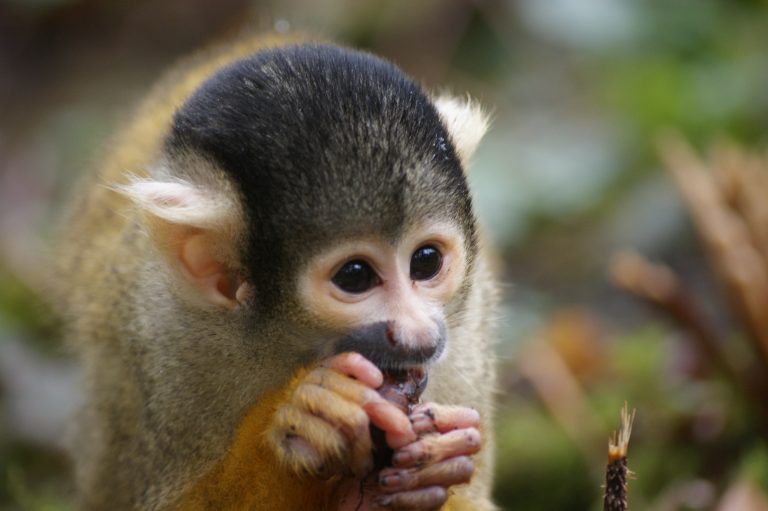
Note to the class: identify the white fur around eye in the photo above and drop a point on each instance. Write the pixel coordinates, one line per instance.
(466, 124)
(449, 241)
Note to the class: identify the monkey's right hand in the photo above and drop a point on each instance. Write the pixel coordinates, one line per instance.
(323, 428)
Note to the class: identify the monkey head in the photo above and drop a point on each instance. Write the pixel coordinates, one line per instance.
(320, 191)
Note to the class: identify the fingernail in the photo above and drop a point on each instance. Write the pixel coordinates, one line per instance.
(391, 481)
(422, 423)
(384, 501)
(402, 458)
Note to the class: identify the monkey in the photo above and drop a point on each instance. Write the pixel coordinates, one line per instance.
(279, 225)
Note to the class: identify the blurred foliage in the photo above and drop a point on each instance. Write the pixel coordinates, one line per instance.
(579, 90)
(533, 454)
(21, 309)
(33, 480)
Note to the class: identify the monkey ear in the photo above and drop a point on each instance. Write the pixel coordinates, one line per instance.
(466, 124)
(196, 230)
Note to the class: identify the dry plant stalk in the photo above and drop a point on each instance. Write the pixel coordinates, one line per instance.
(562, 395)
(726, 202)
(725, 196)
(617, 471)
(660, 286)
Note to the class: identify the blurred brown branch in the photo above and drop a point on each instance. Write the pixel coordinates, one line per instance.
(661, 287)
(562, 394)
(731, 235)
(725, 197)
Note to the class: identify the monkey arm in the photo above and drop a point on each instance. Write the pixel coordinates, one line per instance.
(279, 447)
(292, 446)
(248, 477)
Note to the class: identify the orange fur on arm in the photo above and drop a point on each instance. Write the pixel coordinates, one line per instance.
(251, 476)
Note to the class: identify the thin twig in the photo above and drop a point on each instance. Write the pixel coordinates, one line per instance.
(617, 471)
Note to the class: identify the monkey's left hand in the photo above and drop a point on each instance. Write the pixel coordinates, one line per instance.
(422, 471)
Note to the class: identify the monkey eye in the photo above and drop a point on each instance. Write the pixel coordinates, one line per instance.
(356, 277)
(425, 263)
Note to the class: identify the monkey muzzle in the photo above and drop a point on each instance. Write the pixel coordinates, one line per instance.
(392, 351)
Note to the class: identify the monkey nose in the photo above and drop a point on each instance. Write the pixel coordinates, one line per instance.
(388, 346)
(421, 343)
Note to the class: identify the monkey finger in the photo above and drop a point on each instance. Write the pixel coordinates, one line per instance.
(430, 417)
(360, 458)
(307, 443)
(390, 419)
(458, 470)
(340, 432)
(437, 447)
(345, 386)
(423, 499)
(396, 440)
(305, 459)
(331, 406)
(347, 417)
(356, 366)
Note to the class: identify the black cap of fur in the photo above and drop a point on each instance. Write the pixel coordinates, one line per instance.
(324, 144)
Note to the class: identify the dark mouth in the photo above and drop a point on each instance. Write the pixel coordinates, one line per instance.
(416, 372)
(411, 381)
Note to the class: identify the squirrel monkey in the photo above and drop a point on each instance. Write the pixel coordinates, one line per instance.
(279, 227)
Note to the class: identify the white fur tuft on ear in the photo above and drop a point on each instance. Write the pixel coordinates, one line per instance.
(466, 123)
(179, 202)
(196, 229)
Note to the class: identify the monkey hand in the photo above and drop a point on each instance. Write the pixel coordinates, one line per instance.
(422, 471)
(323, 428)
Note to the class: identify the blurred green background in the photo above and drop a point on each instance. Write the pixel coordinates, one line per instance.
(569, 173)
